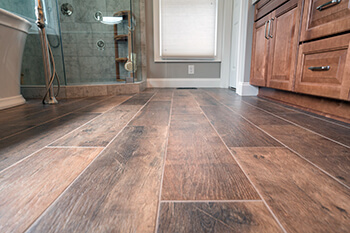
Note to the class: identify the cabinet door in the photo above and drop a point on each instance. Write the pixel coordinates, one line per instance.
(323, 68)
(259, 52)
(325, 17)
(283, 46)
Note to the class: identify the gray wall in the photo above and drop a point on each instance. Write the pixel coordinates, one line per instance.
(172, 69)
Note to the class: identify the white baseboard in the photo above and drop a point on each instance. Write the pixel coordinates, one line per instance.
(183, 82)
(245, 89)
(11, 101)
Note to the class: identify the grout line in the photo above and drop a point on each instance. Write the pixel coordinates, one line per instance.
(30, 155)
(234, 157)
(163, 165)
(56, 118)
(82, 172)
(43, 110)
(301, 112)
(73, 147)
(297, 125)
(205, 201)
(299, 155)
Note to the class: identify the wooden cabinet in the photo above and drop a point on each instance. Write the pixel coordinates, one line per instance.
(323, 68)
(264, 7)
(325, 17)
(260, 52)
(275, 44)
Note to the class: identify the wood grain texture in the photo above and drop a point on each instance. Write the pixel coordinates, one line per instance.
(328, 129)
(165, 94)
(106, 104)
(31, 107)
(199, 166)
(20, 146)
(236, 131)
(15, 125)
(216, 217)
(118, 192)
(154, 113)
(184, 104)
(303, 198)
(31, 186)
(326, 154)
(203, 98)
(100, 131)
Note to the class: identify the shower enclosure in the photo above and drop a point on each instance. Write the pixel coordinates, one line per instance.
(87, 52)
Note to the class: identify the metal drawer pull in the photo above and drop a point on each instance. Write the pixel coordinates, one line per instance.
(319, 68)
(328, 4)
(266, 28)
(269, 31)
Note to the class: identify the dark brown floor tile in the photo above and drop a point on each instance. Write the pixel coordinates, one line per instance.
(118, 192)
(302, 197)
(154, 113)
(106, 104)
(328, 155)
(203, 98)
(199, 166)
(15, 125)
(216, 217)
(328, 129)
(102, 130)
(236, 131)
(28, 188)
(20, 146)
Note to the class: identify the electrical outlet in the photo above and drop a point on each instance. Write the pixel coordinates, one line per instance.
(190, 69)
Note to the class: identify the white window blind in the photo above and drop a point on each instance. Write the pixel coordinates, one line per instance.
(188, 29)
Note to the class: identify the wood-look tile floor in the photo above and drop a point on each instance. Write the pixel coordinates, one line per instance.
(168, 160)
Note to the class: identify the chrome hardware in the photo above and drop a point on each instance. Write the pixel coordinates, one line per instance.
(98, 16)
(265, 29)
(328, 4)
(100, 45)
(269, 31)
(67, 9)
(319, 68)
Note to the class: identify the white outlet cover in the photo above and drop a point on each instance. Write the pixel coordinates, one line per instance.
(190, 69)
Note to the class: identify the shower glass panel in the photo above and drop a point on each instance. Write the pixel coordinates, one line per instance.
(94, 52)
(32, 64)
(86, 51)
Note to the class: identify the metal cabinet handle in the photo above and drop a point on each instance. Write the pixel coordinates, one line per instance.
(269, 31)
(266, 37)
(328, 4)
(319, 68)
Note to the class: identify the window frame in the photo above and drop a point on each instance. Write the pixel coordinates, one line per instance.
(157, 36)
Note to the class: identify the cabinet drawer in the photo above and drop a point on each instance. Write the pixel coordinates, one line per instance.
(323, 68)
(263, 7)
(325, 17)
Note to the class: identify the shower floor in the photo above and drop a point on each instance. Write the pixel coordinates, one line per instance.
(172, 160)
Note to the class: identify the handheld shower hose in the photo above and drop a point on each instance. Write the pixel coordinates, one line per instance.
(49, 97)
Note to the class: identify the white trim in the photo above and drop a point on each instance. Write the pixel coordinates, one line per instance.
(183, 82)
(245, 89)
(11, 101)
(226, 44)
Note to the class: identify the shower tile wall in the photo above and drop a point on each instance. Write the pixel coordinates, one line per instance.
(84, 62)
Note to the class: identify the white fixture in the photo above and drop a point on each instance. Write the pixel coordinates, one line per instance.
(110, 20)
(190, 69)
(13, 31)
